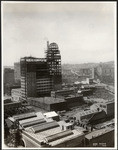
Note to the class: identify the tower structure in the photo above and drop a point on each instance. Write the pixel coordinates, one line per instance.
(53, 58)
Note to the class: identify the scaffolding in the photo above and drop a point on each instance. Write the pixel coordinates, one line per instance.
(39, 76)
(53, 58)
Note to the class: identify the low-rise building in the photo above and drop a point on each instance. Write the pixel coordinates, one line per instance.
(108, 107)
(100, 138)
(52, 115)
(89, 80)
(74, 100)
(10, 106)
(16, 94)
(85, 114)
(39, 131)
(56, 104)
(85, 92)
(66, 125)
(48, 103)
(62, 93)
(7, 100)
(53, 137)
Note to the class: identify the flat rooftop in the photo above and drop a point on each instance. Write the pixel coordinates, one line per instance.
(47, 100)
(50, 114)
(98, 100)
(17, 89)
(33, 59)
(63, 90)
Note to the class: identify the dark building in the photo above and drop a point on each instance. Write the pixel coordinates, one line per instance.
(54, 64)
(108, 107)
(8, 80)
(9, 76)
(62, 92)
(100, 138)
(35, 77)
(48, 103)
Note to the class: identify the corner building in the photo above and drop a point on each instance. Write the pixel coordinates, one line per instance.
(39, 76)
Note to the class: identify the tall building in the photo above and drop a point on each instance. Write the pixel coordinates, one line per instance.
(39, 76)
(53, 58)
(35, 78)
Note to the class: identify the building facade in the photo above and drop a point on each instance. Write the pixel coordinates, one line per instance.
(17, 74)
(62, 93)
(100, 138)
(16, 94)
(35, 78)
(8, 80)
(9, 76)
(108, 107)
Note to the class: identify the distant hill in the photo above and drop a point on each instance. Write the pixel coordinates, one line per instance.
(110, 63)
(83, 65)
(86, 65)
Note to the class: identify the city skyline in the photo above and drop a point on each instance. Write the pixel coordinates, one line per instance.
(82, 31)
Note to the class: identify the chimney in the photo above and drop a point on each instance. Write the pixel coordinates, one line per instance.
(47, 45)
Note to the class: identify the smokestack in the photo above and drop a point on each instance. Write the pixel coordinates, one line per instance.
(47, 45)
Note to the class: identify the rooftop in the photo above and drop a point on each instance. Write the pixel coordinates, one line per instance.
(75, 134)
(39, 115)
(50, 114)
(48, 100)
(23, 116)
(63, 123)
(17, 89)
(12, 103)
(105, 124)
(87, 112)
(41, 136)
(63, 90)
(97, 133)
(33, 59)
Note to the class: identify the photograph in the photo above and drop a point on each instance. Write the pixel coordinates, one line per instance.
(59, 74)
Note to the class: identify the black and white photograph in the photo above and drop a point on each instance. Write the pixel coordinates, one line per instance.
(59, 64)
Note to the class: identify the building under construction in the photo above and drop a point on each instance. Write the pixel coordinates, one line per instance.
(53, 58)
(39, 76)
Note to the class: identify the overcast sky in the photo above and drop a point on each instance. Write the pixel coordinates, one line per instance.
(84, 32)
